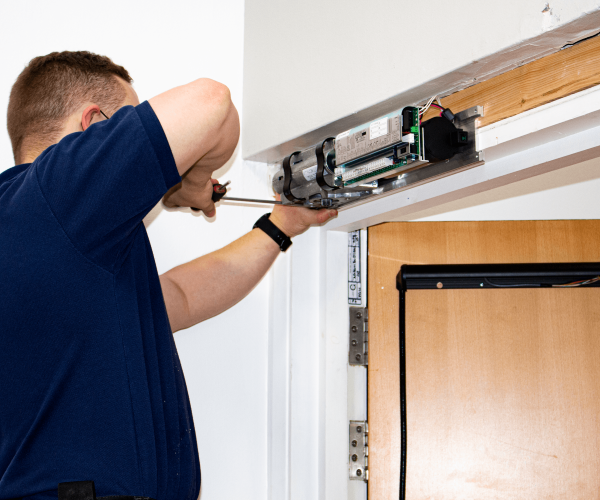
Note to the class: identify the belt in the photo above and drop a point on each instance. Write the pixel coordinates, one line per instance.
(85, 490)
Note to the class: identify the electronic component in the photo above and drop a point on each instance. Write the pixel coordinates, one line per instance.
(444, 140)
(378, 156)
(363, 171)
(377, 149)
(366, 139)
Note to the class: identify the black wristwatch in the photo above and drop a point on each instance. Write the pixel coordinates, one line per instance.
(278, 236)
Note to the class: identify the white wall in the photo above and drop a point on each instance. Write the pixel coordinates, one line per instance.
(329, 65)
(165, 44)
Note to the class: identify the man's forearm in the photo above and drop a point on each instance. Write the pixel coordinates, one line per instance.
(211, 284)
(195, 190)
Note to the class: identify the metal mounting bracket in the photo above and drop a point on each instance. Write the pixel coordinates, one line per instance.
(359, 450)
(358, 353)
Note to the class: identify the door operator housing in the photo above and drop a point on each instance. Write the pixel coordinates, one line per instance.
(387, 154)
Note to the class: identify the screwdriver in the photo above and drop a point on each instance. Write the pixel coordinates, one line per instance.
(220, 190)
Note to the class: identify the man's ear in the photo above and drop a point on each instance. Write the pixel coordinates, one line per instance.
(90, 115)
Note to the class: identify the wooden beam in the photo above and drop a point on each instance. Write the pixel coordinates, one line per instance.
(555, 76)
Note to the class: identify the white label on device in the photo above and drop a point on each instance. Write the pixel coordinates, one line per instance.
(310, 173)
(378, 128)
(354, 281)
(342, 135)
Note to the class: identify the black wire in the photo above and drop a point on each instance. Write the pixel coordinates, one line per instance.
(516, 285)
(403, 432)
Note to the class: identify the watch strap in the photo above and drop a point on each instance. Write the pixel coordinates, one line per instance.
(276, 234)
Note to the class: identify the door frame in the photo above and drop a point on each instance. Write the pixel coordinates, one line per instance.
(308, 382)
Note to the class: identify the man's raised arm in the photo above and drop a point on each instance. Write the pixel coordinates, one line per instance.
(203, 129)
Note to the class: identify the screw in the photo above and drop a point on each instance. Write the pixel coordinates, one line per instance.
(354, 329)
(359, 315)
(354, 458)
(354, 443)
(358, 356)
(359, 472)
(359, 429)
(354, 343)
(440, 285)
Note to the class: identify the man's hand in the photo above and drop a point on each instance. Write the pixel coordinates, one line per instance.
(294, 220)
(194, 191)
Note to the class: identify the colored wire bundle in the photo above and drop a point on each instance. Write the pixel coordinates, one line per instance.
(573, 284)
(423, 109)
(441, 108)
(578, 283)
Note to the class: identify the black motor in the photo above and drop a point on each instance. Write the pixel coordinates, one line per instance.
(442, 139)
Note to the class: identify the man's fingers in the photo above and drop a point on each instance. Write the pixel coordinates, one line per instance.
(325, 214)
(209, 207)
(210, 210)
(173, 199)
(199, 200)
(176, 200)
(171, 195)
(294, 221)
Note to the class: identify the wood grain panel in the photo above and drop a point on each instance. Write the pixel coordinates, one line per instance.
(503, 394)
(393, 244)
(555, 76)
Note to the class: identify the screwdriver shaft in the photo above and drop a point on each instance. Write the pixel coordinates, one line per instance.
(252, 200)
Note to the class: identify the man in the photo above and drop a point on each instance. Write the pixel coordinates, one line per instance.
(91, 386)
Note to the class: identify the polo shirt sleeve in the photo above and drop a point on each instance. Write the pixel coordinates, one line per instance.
(102, 182)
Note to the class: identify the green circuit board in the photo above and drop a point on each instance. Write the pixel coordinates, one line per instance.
(387, 159)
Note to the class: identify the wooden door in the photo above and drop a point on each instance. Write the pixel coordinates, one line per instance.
(501, 409)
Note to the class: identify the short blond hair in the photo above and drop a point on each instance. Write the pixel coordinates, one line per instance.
(51, 88)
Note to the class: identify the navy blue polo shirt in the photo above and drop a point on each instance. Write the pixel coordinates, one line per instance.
(91, 386)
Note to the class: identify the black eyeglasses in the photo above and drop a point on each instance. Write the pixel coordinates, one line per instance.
(103, 114)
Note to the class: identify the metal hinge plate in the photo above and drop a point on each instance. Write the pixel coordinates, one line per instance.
(359, 450)
(359, 336)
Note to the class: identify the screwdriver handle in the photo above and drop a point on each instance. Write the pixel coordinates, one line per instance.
(219, 190)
